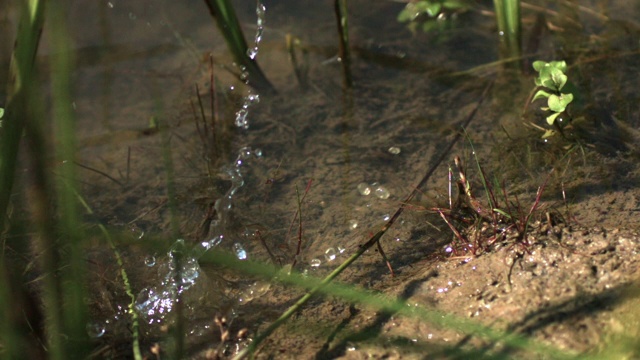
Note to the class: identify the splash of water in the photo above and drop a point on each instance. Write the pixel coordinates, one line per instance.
(260, 12)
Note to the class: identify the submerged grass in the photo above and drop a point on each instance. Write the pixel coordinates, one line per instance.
(375, 301)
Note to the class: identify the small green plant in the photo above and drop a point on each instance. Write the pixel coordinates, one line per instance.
(550, 81)
(430, 13)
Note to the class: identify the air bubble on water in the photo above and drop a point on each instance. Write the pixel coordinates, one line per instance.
(257, 152)
(330, 254)
(95, 329)
(382, 192)
(315, 262)
(351, 347)
(448, 249)
(364, 189)
(341, 249)
(240, 252)
(150, 260)
(110, 4)
(386, 217)
(394, 150)
(353, 224)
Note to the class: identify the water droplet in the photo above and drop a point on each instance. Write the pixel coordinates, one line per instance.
(394, 150)
(253, 99)
(257, 152)
(315, 262)
(244, 153)
(448, 249)
(239, 251)
(341, 249)
(382, 192)
(241, 118)
(95, 329)
(386, 217)
(330, 254)
(353, 224)
(364, 189)
(150, 260)
(215, 241)
(110, 4)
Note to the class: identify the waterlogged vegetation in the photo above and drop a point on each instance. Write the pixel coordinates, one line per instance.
(208, 184)
(551, 79)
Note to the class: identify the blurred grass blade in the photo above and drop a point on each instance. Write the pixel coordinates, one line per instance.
(20, 78)
(343, 32)
(72, 283)
(379, 302)
(509, 27)
(227, 22)
(12, 296)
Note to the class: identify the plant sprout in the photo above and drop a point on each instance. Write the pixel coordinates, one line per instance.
(430, 12)
(550, 81)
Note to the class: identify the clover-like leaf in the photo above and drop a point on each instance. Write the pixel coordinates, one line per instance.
(559, 103)
(538, 65)
(559, 78)
(548, 83)
(433, 9)
(560, 65)
(540, 94)
(552, 118)
(404, 15)
(454, 4)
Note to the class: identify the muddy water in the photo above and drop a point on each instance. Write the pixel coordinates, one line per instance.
(351, 158)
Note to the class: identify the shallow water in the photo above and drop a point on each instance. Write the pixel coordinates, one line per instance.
(351, 158)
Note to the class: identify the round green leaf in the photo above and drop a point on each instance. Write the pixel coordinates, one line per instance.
(559, 78)
(560, 65)
(434, 9)
(454, 4)
(556, 104)
(538, 65)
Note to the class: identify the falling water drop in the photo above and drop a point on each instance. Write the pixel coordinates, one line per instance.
(315, 262)
(382, 192)
(364, 189)
(150, 260)
(240, 252)
(330, 254)
(95, 329)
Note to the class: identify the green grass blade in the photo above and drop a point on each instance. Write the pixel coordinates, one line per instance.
(72, 282)
(510, 28)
